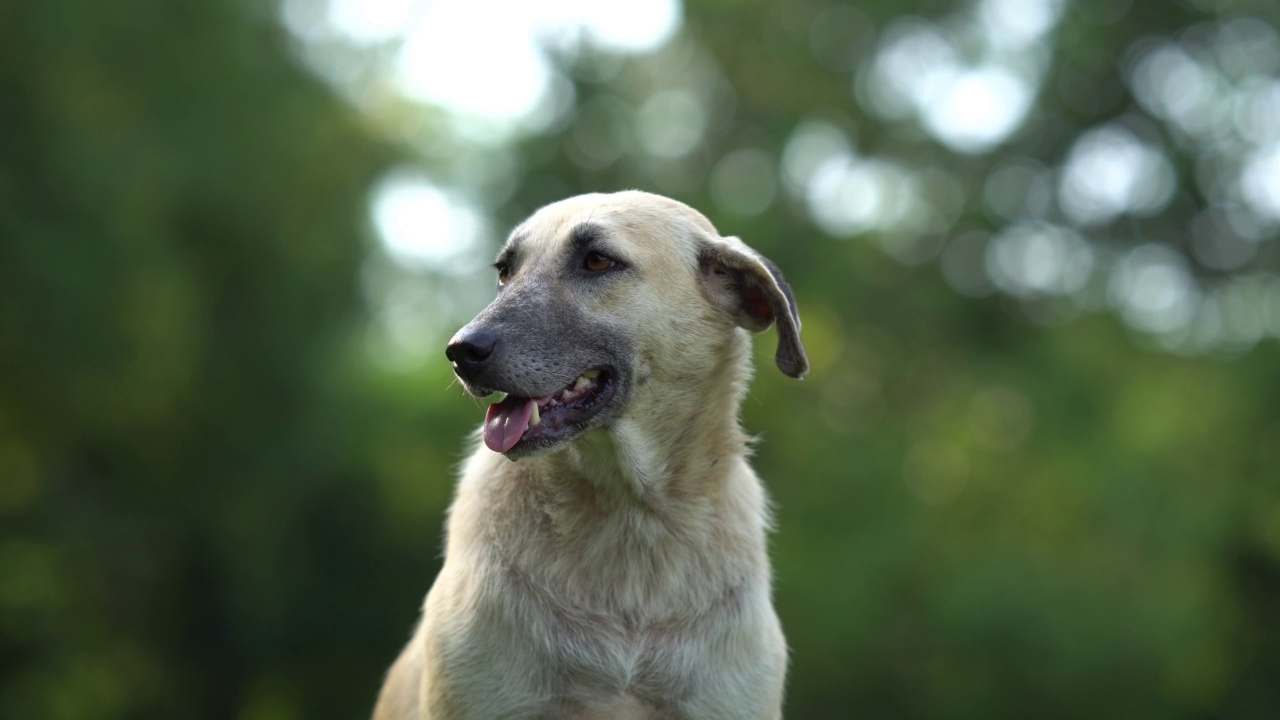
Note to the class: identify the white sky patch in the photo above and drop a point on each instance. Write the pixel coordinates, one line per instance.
(455, 57)
(485, 57)
(1018, 23)
(971, 107)
(978, 109)
(634, 26)
(845, 196)
(373, 21)
(422, 226)
(1109, 172)
(913, 63)
(1260, 182)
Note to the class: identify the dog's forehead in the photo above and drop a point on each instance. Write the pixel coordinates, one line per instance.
(632, 218)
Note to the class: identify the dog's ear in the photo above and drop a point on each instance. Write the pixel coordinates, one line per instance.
(748, 286)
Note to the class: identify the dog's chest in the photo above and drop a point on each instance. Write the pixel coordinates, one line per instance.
(622, 616)
(603, 667)
(607, 637)
(625, 661)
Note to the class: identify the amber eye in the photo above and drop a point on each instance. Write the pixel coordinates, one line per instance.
(595, 262)
(504, 272)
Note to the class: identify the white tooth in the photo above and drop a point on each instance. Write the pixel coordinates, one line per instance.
(591, 374)
(536, 417)
(581, 383)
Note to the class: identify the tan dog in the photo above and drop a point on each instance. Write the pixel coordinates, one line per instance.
(616, 569)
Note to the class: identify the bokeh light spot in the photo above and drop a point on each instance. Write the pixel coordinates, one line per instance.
(420, 225)
(744, 182)
(1260, 182)
(978, 109)
(1109, 172)
(670, 123)
(1153, 290)
(373, 21)
(1039, 259)
(501, 70)
(1018, 23)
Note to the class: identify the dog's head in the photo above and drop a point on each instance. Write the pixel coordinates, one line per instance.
(600, 296)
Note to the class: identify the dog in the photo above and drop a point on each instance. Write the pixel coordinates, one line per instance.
(605, 551)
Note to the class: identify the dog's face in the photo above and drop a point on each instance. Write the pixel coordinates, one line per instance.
(602, 295)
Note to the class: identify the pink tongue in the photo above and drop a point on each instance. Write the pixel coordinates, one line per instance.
(506, 422)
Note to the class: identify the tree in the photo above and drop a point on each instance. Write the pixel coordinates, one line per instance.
(1032, 471)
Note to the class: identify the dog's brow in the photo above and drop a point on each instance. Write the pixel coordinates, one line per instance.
(583, 236)
(507, 254)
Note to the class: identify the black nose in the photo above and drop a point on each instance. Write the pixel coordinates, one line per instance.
(470, 350)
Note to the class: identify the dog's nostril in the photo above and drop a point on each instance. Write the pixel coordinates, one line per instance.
(471, 349)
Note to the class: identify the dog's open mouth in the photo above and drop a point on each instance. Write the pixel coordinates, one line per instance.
(542, 421)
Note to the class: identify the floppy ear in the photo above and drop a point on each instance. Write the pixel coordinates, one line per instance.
(748, 286)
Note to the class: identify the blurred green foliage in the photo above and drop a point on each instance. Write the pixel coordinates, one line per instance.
(217, 501)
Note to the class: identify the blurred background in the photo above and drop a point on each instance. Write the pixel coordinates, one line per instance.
(1035, 471)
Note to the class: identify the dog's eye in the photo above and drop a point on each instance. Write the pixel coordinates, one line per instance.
(504, 272)
(595, 262)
